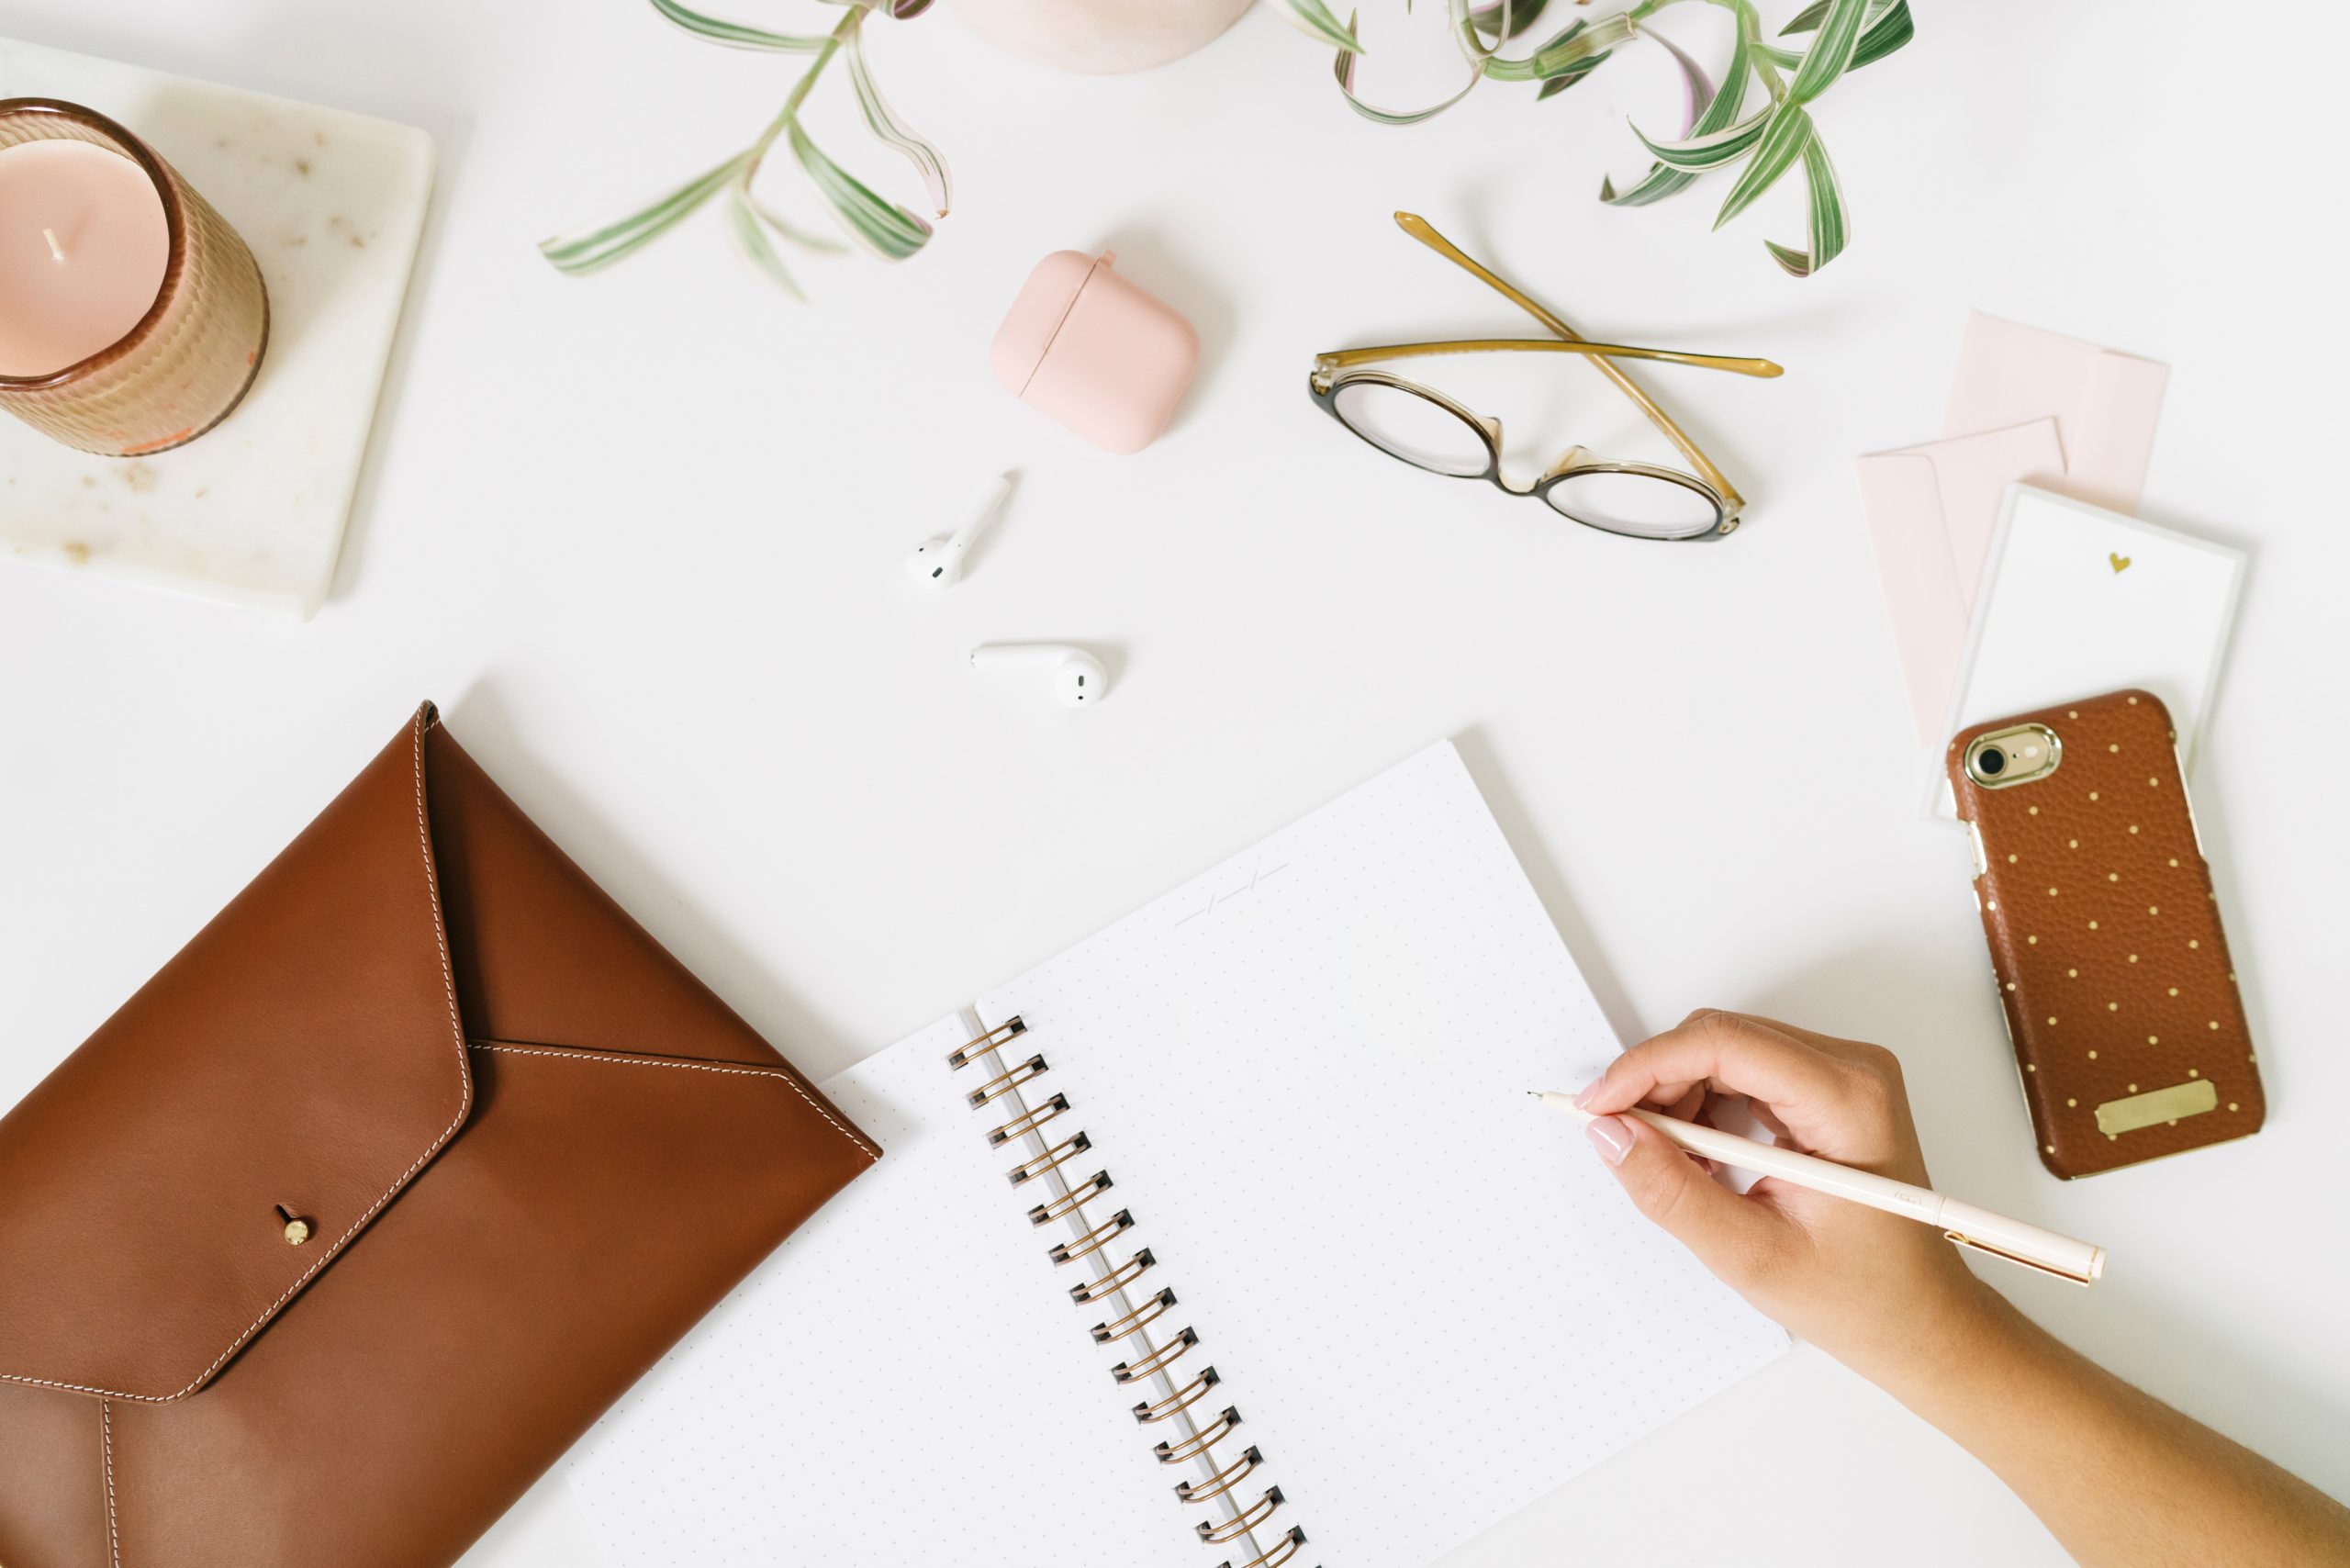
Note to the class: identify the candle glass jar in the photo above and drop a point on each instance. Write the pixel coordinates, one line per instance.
(190, 359)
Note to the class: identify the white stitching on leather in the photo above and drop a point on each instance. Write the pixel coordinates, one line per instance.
(601, 1058)
(464, 1104)
(106, 1447)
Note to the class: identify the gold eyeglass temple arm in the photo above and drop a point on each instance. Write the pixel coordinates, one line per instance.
(1420, 229)
(1338, 359)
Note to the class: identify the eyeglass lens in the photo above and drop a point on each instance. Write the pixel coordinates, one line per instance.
(1415, 428)
(1641, 505)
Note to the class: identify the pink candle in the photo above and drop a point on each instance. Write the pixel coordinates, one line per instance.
(83, 244)
(132, 317)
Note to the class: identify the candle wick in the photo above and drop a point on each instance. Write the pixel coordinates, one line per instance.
(55, 248)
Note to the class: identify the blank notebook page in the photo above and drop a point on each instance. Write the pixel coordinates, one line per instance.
(1306, 1073)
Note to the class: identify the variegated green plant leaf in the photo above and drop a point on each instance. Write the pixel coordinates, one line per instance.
(885, 125)
(1567, 52)
(1831, 51)
(1805, 20)
(1885, 33)
(1719, 113)
(742, 219)
(1660, 181)
(789, 231)
(1312, 19)
(1889, 28)
(737, 35)
(1715, 149)
(884, 228)
(1554, 85)
(1829, 226)
(1782, 143)
(1523, 15)
(1463, 29)
(602, 247)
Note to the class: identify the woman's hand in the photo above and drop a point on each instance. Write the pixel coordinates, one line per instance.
(1873, 1290)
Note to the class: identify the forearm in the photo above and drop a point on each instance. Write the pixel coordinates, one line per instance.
(2119, 1477)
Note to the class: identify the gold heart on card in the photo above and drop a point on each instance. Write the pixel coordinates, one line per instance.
(2121, 563)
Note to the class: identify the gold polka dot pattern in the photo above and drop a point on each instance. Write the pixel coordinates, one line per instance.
(2109, 959)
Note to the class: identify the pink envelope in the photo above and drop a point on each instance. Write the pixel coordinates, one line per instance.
(2068, 416)
(1932, 512)
(2105, 403)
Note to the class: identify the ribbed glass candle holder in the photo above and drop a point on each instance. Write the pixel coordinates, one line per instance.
(191, 358)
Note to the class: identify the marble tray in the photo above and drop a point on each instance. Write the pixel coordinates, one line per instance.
(332, 205)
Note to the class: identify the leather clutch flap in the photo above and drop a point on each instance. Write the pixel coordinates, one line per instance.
(337, 1234)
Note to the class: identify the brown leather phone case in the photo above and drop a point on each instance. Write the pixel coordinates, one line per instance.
(345, 1226)
(2120, 996)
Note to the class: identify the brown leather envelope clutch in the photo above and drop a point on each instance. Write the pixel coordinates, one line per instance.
(339, 1232)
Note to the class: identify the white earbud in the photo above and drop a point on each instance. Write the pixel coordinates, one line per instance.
(1078, 679)
(938, 562)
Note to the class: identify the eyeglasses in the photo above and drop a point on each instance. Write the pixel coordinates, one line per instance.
(1430, 431)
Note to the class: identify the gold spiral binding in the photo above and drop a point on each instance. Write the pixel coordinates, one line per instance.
(1241, 1523)
(1003, 1083)
(1183, 1399)
(1076, 1198)
(1158, 1361)
(1116, 1280)
(1222, 1480)
(1060, 1153)
(1289, 1546)
(1020, 1126)
(1149, 1311)
(1093, 1240)
(970, 1051)
(1199, 1442)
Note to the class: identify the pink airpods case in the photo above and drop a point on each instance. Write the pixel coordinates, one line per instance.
(1090, 351)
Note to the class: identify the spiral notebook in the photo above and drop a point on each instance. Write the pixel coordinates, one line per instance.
(1228, 1237)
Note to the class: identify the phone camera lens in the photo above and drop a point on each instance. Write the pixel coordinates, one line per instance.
(1990, 762)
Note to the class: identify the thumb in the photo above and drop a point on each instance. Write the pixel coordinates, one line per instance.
(1728, 1233)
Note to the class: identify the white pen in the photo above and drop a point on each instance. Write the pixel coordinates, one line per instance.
(1963, 1223)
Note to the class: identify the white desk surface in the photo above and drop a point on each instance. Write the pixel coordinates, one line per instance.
(641, 536)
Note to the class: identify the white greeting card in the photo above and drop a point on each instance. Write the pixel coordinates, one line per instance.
(2078, 601)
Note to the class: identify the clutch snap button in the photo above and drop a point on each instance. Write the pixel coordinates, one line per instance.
(297, 1229)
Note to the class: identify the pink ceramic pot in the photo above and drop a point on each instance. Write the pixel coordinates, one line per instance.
(1103, 36)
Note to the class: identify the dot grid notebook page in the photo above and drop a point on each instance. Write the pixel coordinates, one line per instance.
(1306, 1072)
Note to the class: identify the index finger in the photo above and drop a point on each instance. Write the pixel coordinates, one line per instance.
(1809, 1091)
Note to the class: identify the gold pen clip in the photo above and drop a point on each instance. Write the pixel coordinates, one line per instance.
(2083, 1280)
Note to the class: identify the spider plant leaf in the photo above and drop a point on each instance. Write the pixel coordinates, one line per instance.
(1312, 19)
(1830, 53)
(1782, 143)
(601, 248)
(737, 35)
(1716, 109)
(785, 228)
(1523, 15)
(751, 236)
(1805, 20)
(1343, 67)
(906, 10)
(1830, 228)
(884, 228)
(1715, 149)
(1552, 87)
(892, 131)
(1566, 54)
(1884, 34)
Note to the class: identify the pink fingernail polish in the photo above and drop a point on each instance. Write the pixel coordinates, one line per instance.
(1583, 1096)
(1610, 1137)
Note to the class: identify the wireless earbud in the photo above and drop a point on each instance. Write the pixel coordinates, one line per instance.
(938, 562)
(1078, 679)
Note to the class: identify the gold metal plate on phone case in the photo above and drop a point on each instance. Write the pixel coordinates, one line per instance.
(2157, 1106)
(2021, 754)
